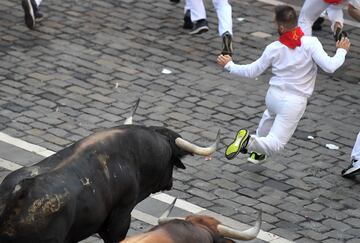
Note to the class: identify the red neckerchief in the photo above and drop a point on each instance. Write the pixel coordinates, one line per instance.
(333, 1)
(292, 38)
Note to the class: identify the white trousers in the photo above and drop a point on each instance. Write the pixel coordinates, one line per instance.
(312, 9)
(278, 122)
(355, 154)
(38, 2)
(223, 11)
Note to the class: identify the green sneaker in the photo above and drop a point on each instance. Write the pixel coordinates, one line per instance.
(239, 145)
(256, 157)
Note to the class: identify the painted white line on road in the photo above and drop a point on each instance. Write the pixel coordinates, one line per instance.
(192, 208)
(147, 218)
(276, 2)
(9, 165)
(25, 145)
(182, 204)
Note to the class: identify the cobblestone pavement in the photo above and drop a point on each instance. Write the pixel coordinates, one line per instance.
(88, 61)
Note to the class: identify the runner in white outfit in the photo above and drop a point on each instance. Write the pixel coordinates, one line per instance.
(223, 11)
(294, 71)
(312, 9)
(197, 12)
(355, 160)
(32, 13)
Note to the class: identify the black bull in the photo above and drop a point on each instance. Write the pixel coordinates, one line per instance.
(89, 187)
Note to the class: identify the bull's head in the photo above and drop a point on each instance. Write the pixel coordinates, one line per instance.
(179, 148)
(214, 226)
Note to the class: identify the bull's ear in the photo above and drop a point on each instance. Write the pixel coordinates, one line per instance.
(178, 163)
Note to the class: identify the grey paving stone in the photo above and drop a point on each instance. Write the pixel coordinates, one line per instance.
(338, 236)
(336, 225)
(289, 234)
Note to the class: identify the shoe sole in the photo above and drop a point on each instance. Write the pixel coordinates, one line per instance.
(227, 48)
(200, 30)
(350, 172)
(226, 51)
(242, 140)
(343, 34)
(29, 14)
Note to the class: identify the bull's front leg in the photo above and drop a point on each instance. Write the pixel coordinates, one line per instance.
(116, 226)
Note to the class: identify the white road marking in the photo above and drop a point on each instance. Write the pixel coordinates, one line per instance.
(192, 208)
(25, 145)
(9, 165)
(276, 2)
(182, 204)
(147, 218)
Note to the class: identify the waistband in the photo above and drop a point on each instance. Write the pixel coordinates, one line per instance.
(288, 91)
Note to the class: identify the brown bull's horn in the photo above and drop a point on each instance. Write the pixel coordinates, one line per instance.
(164, 217)
(128, 120)
(192, 148)
(248, 234)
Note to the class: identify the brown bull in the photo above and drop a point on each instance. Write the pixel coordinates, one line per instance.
(193, 229)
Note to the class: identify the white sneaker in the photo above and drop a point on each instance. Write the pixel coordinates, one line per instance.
(352, 169)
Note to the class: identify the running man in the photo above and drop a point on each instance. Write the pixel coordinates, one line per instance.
(294, 59)
(195, 20)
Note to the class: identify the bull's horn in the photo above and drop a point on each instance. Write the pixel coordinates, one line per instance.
(128, 120)
(248, 234)
(192, 148)
(164, 217)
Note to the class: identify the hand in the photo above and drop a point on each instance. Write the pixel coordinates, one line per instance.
(343, 43)
(223, 60)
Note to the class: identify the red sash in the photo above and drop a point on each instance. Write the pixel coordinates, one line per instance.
(292, 38)
(333, 1)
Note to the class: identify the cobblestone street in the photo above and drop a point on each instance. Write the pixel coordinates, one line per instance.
(87, 62)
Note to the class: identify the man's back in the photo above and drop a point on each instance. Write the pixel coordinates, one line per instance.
(293, 69)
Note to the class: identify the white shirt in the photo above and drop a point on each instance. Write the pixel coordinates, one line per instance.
(294, 70)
